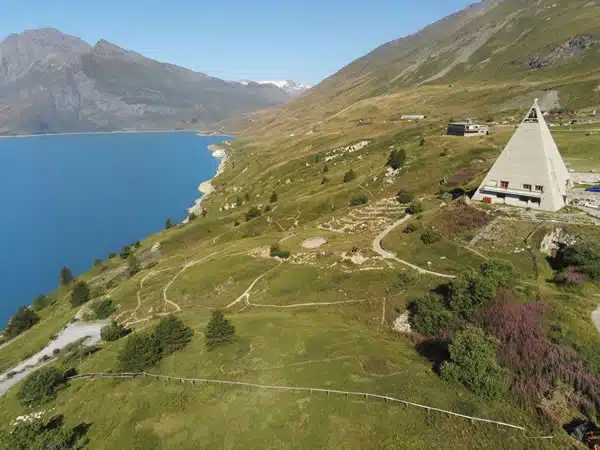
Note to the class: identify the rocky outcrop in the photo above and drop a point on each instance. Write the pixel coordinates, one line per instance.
(575, 46)
(552, 241)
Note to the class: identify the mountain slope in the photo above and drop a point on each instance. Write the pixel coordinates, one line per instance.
(52, 82)
(529, 45)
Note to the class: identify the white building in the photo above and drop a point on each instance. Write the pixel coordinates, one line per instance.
(530, 171)
(412, 117)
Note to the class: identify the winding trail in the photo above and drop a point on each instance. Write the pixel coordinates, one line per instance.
(299, 305)
(377, 248)
(246, 293)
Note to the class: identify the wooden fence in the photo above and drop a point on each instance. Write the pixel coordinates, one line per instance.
(364, 395)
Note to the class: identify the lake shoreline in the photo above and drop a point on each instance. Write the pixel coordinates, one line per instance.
(206, 187)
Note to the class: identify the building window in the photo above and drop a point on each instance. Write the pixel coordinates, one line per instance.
(504, 184)
(539, 188)
(527, 187)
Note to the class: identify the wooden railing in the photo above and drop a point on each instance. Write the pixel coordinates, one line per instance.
(365, 395)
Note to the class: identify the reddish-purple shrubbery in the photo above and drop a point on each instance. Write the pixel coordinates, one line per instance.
(538, 364)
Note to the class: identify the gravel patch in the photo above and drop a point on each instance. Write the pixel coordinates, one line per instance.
(314, 242)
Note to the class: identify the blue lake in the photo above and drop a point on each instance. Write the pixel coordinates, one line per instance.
(66, 200)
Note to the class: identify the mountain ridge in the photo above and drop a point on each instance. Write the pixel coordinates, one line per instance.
(55, 82)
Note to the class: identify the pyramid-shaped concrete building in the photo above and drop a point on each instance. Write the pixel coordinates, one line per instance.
(530, 171)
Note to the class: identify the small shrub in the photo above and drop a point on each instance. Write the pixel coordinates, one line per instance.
(103, 308)
(236, 223)
(97, 262)
(326, 168)
(133, 266)
(112, 332)
(429, 237)
(41, 386)
(360, 200)
(80, 294)
(252, 213)
(411, 228)
(168, 223)
(404, 197)
(415, 207)
(325, 180)
(192, 216)
(125, 252)
(41, 302)
(275, 251)
(349, 176)
(268, 208)
(422, 142)
(274, 197)
(219, 331)
(111, 255)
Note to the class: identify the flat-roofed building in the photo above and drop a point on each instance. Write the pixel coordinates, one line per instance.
(467, 128)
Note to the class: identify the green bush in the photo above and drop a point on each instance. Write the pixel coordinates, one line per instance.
(274, 197)
(473, 364)
(111, 255)
(133, 265)
(583, 255)
(411, 228)
(35, 434)
(125, 252)
(396, 159)
(112, 332)
(349, 176)
(325, 168)
(429, 315)
(404, 197)
(41, 386)
(219, 331)
(359, 200)
(252, 213)
(325, 180)
(66, 276)
(275, 251)
(168, 223)
(192, 216)
(97, 262)
(41, 302)
(429, 237)
(21, 321)
(172, 335)
(415, 207)
(103, 308)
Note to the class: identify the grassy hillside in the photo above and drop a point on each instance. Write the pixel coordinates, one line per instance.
(324, 317)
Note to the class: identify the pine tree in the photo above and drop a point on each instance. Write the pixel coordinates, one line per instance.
(168, 223)
(140, 352)
(132, 265)
(219, 330)
(274, 197)
(66, 276)
(172, 334)
(80, 294)
(112, 332)
(396, 159)
(349, 176)
(326, 168)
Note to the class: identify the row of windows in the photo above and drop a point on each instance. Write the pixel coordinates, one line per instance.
(526, 187)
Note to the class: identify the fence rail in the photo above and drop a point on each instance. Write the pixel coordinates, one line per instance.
(365, 395)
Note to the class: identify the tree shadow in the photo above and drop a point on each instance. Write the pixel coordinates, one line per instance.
(434, 350)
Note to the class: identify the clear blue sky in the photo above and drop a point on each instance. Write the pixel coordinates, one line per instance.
(235, 39)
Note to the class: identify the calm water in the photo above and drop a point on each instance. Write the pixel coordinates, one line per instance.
(70, 199)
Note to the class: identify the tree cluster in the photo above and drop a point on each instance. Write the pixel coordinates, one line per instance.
(113, 332)
(66, 276)
(349, 176)
(404, 197)
(21, 321)
(80, 294)
(143, 350)
(252, 213)
(103, 308)
(37, 434)
(579, 258)
(41, 386)
(275, 251)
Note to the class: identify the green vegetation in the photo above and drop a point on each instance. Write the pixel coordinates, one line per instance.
(103, 308)
(274, 197)
(252, 213)
(168, 223)
(359, 200)
(80, 294)
(396, 159)
(473, 363)
(36, 434)
(219, 331)
(172, 335)
(415, 207)
(41, 386)
(275, 251)
(41, 302)
(66, 276)
(404, 197)
(112, 332)
(21, 321)
(349, 176)
(430, 237)
(133, 266)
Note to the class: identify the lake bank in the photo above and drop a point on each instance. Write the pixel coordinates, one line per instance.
(90, 133)
(206, 188)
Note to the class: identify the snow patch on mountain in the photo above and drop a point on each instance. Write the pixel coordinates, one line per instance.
(289, 86)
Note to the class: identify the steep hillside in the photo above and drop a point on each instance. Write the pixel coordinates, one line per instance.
(52, 82)
(493, 56)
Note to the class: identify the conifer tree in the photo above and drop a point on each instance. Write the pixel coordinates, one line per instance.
(172, 334)
(274, 197)
(140, 352)
(132, 265)
(168, 223)
(66, 276)
(80, 294)
(219, 330)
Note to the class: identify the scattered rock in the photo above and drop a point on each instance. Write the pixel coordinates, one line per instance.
(155, 247)
(575, 46)
(552, 240)
(401, 324)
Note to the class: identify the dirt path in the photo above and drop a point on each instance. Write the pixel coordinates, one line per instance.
(596, 315)
(377, 248)
(246, 293)
(299, 305)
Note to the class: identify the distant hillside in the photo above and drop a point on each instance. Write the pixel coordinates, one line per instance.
(53, 82)
(512, 50)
